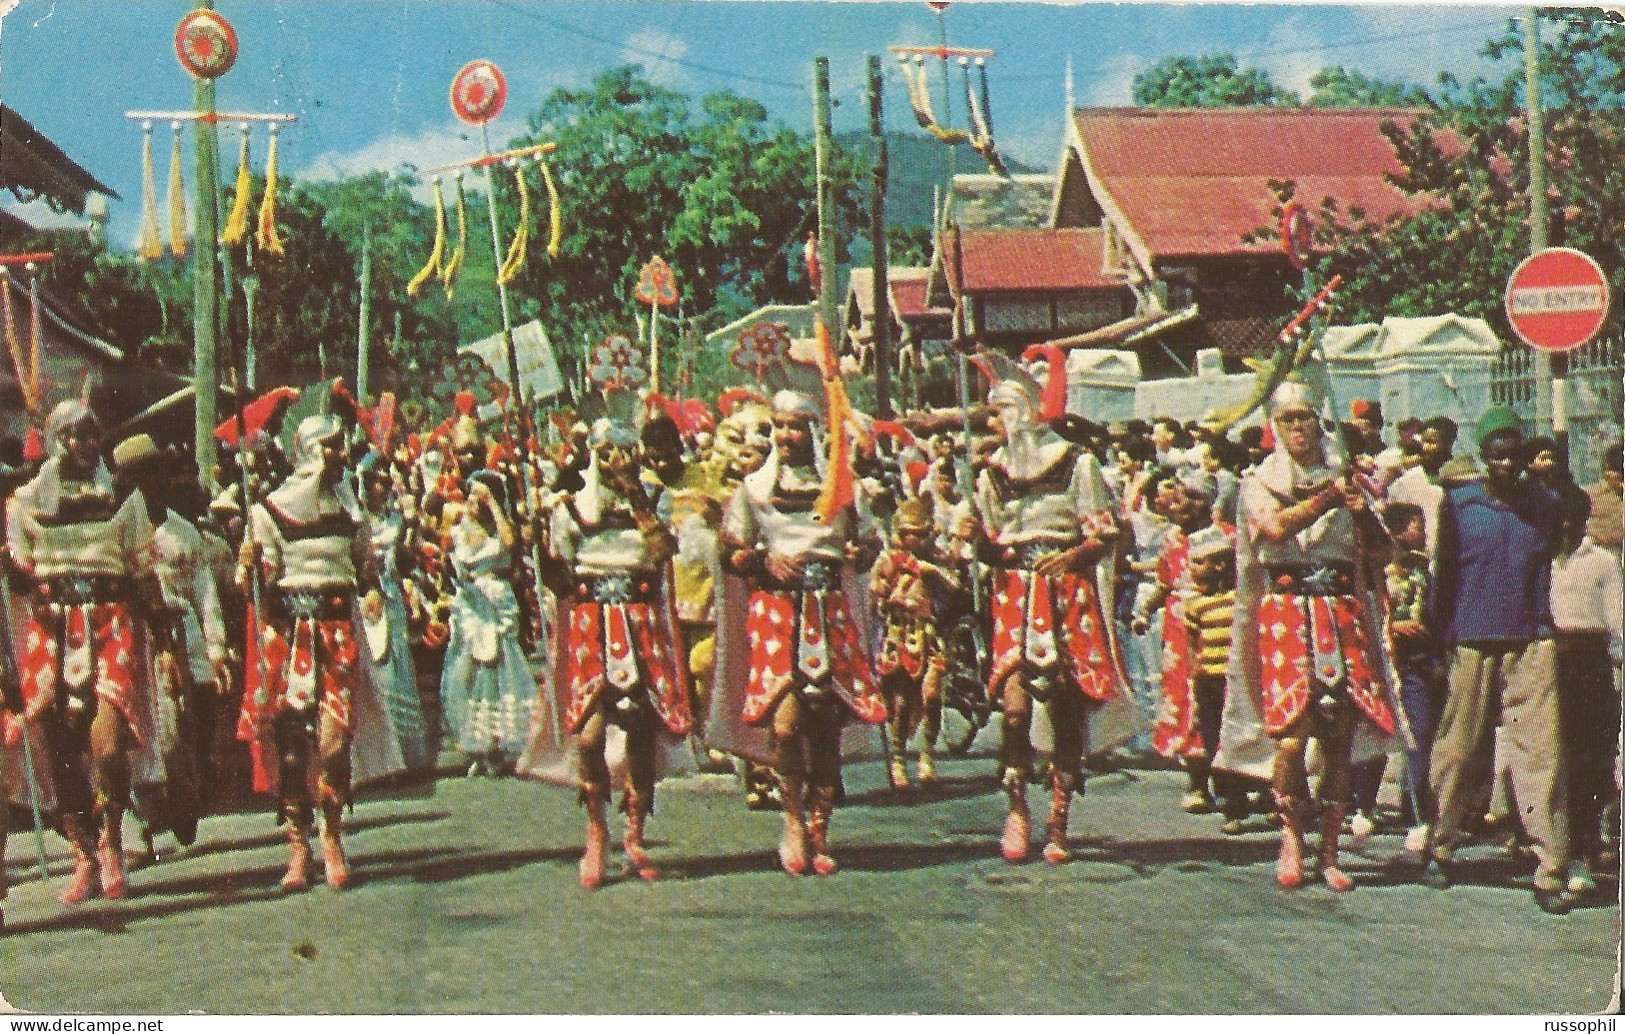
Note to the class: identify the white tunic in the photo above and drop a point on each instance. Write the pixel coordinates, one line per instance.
(175, 555)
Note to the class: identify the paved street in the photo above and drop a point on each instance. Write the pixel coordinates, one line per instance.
(465, 900)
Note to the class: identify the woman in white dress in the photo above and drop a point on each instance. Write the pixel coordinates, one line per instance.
(486, 687)
(389, 649)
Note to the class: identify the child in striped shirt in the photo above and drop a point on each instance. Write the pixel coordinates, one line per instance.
(1207, 613)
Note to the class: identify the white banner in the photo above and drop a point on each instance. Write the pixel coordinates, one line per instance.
(538, 370)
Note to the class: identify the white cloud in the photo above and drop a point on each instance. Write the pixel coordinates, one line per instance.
(658, 52)
(1113, 81)
(40, 215)
(1291, 53)
(431, 147)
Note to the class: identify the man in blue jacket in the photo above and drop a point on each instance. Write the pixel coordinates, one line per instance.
(1491, 607)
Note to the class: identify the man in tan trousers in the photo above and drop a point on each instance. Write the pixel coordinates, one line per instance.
(1491, 607)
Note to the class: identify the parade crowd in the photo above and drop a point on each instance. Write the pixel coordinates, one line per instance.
(1298, 613)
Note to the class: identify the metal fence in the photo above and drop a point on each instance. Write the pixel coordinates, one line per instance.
(1596, 397)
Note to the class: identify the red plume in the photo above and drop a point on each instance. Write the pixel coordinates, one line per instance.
(661, 404)
(33, 451)
(1053, 401)
(985, 367)
(464, 403)
(256, 414)
(732, 398)
(1267, 442)
(696, 417)
(380, 422)
(916, 472)
(895, 431)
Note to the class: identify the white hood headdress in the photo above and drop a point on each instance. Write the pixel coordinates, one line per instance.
(43, 495)
(299, 498)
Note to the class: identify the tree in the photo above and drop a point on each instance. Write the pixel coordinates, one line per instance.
(1467, 171)
(1215, 81)
(1337, 87)
(722, 193)
(143, 308)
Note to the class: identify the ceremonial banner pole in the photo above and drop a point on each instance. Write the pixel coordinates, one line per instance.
(478, 93)
(496, 257)
(206, 46)
(657, 287)
(824, 140)
(877, 236)
(364, 317)
(205, 273)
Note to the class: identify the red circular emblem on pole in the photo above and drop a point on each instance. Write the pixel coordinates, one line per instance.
(1297, 237)
(1557, 299)
(206, 44)
(478, 92)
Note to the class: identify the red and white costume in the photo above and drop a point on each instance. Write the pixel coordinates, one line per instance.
(1039, 498)
(617, 632)
(82, 652)
(316, 709)
(806, 634)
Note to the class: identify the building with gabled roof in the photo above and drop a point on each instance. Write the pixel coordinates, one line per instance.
(1186, 200)
(72, 347)
(32, 167)
(1017, 286)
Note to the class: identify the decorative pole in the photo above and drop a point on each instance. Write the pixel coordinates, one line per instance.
(206, 46)
(823, 142)
(877, 237)
(657, 287)
(205, 261)
(364, 319)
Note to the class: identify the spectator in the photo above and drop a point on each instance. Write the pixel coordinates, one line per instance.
(1607, 525)
(1587, 604)
(1490, 606)
(1422, 485)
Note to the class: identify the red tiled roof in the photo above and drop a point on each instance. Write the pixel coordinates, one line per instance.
(1041, 259)
(1191, 183)
(908, 292)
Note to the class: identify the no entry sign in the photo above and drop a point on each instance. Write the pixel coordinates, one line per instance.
(1557, 299)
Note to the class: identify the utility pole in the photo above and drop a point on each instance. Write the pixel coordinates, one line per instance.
(877, 237)
(824, 141)
(1549, 385)
(205, 281)
(365, 317)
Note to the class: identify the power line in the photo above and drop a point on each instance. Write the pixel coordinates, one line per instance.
(1334, 45)
(617, 45)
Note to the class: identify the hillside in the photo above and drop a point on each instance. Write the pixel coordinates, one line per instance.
(918, 163)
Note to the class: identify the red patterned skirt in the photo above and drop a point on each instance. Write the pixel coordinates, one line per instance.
(1176, 733)
(98, 645)
(807, 637)
(1041, 623)
(310, 661)
(622, 645)
(1308, 640)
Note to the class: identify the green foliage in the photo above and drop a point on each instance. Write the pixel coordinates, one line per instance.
(909, 245)
(142, 308)
(1337, 87)
(722, 193)
(1214, 81)
(1467, 163)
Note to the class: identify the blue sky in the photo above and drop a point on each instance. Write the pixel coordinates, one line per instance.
(369, 80)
